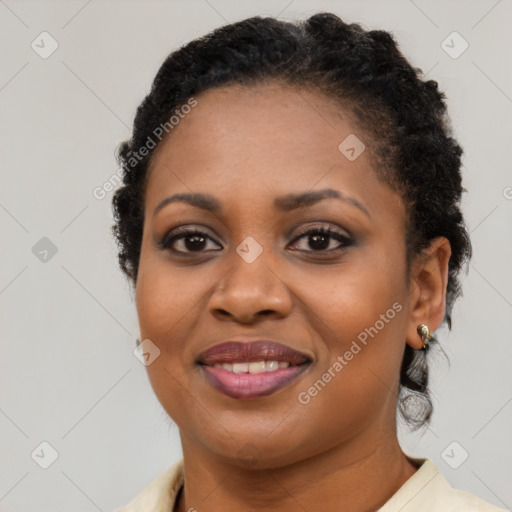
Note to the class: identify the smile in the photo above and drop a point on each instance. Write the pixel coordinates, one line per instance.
(253, 367)
(246, 370)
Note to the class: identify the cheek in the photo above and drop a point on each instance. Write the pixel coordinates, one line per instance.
(360, 315)
(158, 308)
(162, 307)
(357, 380)
(165, 296)
(366, 293)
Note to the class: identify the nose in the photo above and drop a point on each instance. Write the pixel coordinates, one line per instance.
(250, 291)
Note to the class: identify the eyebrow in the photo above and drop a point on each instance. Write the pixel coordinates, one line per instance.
(285, 203)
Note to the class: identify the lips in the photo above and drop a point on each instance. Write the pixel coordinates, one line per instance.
(255, 369)
(240, 352)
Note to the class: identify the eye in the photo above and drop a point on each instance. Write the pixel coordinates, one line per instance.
(191, 240)
(321, 237)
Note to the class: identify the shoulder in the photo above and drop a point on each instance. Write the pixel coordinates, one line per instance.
(429, 491)
(160, 494)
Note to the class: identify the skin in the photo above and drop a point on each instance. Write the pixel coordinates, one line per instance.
(247, 146)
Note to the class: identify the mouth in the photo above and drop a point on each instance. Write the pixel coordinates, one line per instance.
(252, 370)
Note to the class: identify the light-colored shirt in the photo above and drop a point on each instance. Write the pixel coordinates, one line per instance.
(425, 491)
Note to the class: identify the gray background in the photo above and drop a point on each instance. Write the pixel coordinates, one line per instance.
(68, 373)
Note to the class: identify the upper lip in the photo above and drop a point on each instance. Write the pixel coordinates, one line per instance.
(235, 351)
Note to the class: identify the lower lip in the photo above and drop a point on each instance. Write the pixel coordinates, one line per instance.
(252, 385)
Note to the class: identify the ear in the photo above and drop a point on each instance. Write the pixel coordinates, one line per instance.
(427, 292)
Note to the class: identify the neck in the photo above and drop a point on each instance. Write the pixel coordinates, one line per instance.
(356, 476)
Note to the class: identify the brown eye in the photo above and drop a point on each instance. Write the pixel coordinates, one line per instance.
(188, 240)
(319, 239)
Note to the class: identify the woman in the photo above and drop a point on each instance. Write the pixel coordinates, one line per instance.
(289, 218)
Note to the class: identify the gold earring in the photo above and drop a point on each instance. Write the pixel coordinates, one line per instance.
(425, 335)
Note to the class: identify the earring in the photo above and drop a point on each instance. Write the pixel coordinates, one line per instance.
(425, 335)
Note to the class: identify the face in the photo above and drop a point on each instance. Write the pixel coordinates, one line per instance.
(325, 277)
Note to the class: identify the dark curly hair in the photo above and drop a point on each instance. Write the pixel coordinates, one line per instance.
(404, 117)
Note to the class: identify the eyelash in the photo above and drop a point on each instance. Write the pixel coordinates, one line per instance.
(325, 231)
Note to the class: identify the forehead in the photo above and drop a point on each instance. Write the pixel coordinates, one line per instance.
(258, 142)
(267, 124)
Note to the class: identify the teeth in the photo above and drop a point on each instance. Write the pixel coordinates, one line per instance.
(271, 366)
(253, 367)
(240, 368)
(257, 367)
